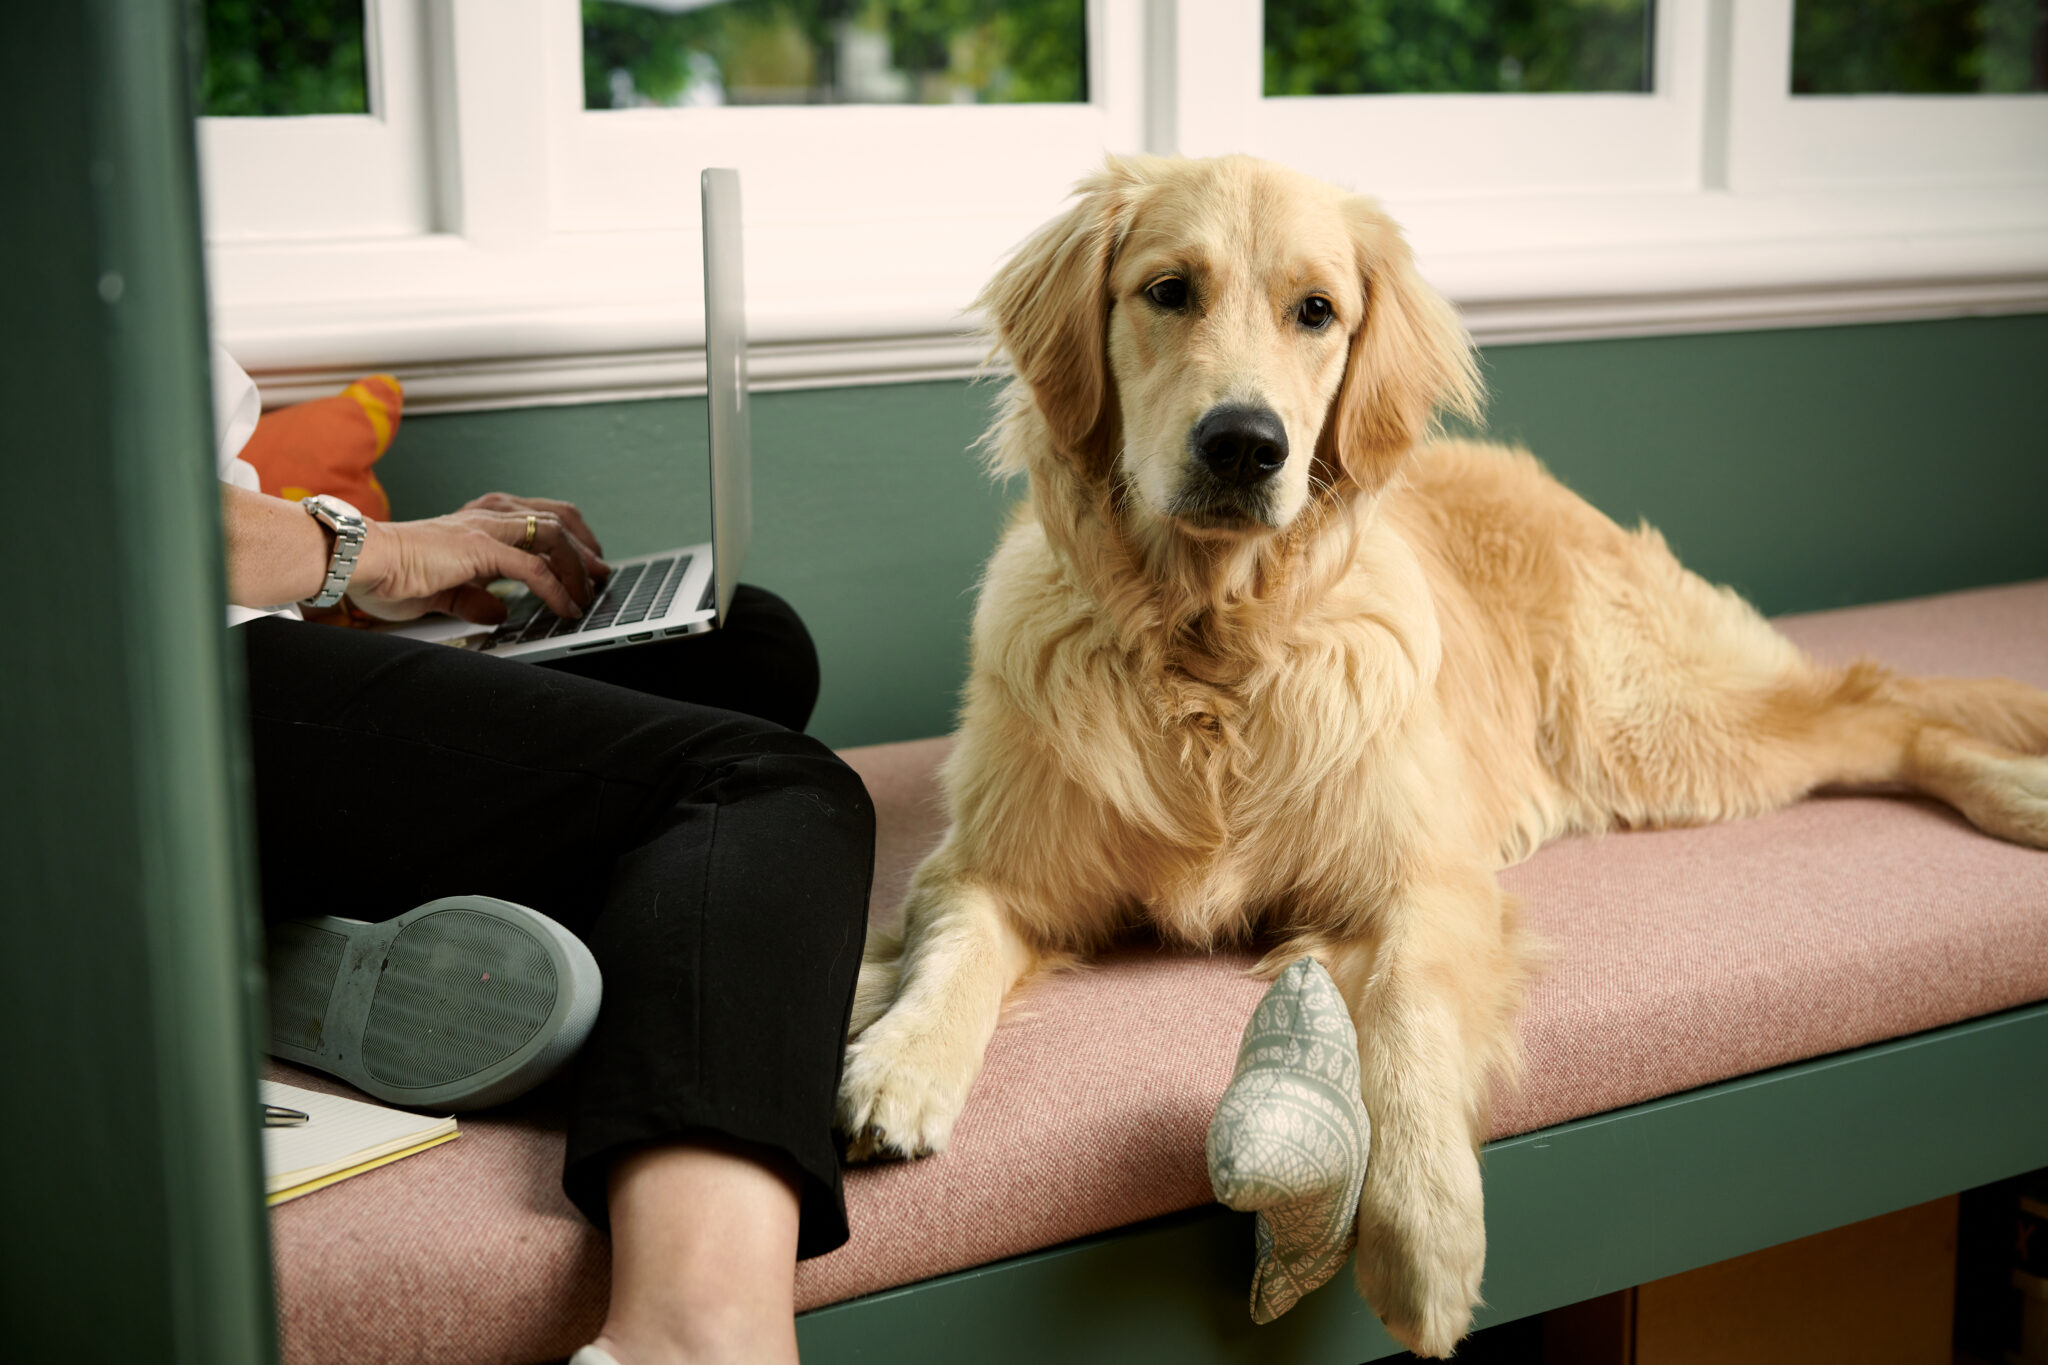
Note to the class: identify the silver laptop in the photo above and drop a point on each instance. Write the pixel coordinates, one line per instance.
(673, 592)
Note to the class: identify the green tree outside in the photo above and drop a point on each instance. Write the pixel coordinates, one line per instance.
(266, 58)
(1386, 47)
(788, 51)
(1919, 47)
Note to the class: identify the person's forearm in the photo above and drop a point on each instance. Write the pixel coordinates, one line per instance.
(276, 553)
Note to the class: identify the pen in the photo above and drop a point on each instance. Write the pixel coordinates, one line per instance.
(277, 1116)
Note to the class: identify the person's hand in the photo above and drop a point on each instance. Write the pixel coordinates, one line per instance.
(445, 564)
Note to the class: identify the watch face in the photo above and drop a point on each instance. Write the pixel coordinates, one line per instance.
(335, 507)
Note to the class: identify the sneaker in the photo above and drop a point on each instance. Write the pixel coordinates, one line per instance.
(464, 1002)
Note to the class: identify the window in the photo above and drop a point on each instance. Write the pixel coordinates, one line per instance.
(316, 119)
(1418, 100)
(499, 197)
(910, 112)
(1828, 93)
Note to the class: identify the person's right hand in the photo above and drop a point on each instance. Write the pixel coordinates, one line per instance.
(445, 564)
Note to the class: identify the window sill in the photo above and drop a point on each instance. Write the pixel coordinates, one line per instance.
(591, 316)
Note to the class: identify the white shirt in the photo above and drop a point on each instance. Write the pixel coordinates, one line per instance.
(236, 406)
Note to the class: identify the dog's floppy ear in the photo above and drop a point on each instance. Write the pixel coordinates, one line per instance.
(1410, 359)
(1049, 307)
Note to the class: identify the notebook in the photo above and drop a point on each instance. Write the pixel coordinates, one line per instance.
(343, 1138)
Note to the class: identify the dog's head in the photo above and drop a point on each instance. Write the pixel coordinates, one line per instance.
(1226, 337)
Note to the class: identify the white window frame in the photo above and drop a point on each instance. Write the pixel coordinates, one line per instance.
(556, 258)
(1457, 146)
(332, 175)
(872, 163)
(857, 216)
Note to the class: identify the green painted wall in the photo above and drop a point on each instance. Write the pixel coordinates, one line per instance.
(1809, 468)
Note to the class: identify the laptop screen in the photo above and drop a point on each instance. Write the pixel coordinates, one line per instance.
(725, 363)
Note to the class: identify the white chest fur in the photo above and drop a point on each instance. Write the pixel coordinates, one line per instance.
(1192, 794)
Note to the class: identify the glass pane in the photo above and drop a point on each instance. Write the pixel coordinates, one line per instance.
(702, 52)
(270, 57)
(1399, 47)
(1919, 47)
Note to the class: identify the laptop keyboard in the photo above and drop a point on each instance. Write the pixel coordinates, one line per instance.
(635, 593)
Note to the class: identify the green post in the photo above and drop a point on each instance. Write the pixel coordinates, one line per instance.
(131, 1210)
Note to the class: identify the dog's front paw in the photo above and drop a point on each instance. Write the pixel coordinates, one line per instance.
(900, 1092)
(874, 993)
(1421, 1252)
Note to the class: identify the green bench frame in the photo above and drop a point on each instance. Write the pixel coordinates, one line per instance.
(1581, 1209)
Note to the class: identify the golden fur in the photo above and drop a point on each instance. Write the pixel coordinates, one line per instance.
(1328, 713)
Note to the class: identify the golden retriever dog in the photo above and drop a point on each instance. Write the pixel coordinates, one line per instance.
(1260, 657)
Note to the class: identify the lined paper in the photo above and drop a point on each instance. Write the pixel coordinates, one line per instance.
(342, 1136)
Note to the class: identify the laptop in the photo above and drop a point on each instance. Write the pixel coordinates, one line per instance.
(672, 592)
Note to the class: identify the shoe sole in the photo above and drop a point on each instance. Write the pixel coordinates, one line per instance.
(461, 1003)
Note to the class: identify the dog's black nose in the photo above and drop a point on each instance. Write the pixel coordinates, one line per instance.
(1241, 445)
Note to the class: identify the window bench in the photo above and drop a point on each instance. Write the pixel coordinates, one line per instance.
(1746, 1033)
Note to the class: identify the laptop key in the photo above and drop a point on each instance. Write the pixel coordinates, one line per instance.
(606, 607)
(667, 595)
(520, 612)
(643, 593)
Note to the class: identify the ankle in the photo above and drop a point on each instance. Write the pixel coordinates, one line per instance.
(711, 1338)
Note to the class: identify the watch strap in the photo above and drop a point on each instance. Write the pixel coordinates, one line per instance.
(349, 533)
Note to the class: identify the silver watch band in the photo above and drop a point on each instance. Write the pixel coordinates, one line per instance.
(349, 532)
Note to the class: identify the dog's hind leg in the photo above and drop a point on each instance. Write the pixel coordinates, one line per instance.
(1976, 744)
(907, 1074)
(1997, 711)
(1982, 747)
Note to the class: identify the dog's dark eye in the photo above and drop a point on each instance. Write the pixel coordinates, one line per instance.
(1314, 313)
(1170, 293)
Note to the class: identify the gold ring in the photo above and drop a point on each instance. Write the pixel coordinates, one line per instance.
(532, 526)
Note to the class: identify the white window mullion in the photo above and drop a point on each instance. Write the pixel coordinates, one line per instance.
(490, 81)
(1217, 48)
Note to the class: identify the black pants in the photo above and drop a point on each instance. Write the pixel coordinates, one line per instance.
(715, 859)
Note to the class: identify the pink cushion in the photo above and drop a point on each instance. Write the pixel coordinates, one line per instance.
(1678, 958)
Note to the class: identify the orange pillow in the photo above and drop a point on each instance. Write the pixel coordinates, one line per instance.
(329, 444)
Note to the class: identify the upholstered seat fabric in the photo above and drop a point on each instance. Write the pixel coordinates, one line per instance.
(1675, 958)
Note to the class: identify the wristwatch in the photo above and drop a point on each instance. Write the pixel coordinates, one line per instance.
(348, 527)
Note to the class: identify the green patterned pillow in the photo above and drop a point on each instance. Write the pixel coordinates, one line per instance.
(1290, 1138)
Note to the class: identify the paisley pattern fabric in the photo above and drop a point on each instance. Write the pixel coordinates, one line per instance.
(1290, 1138)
